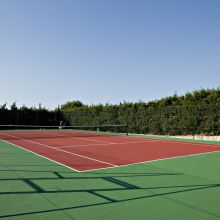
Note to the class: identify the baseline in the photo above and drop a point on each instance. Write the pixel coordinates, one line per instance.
(107, 144)
(150, 161)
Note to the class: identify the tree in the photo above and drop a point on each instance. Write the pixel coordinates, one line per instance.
(71, 105)
(13, 107)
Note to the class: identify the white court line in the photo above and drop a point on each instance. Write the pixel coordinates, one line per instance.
(87, 145)
(190, 143)
(60, 135)
(39, 155)
(149, 161)
(87, 139)
(173, 141)
(54, 148)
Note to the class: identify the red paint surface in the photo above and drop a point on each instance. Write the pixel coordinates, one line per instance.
(108, 150)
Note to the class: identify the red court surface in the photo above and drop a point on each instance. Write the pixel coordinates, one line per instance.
(85, 151)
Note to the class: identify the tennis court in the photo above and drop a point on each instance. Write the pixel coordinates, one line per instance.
(74, 174)
(84, 151)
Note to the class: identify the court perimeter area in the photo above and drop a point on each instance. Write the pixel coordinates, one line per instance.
(78, 175)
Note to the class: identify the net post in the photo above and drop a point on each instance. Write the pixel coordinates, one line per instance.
(126, 129)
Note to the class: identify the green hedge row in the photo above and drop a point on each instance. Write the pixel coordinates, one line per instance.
(193, 113)
(28, 116)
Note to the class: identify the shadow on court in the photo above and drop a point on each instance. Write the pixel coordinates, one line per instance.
(119, 182)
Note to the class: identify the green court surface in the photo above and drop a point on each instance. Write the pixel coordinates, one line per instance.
(32, 187)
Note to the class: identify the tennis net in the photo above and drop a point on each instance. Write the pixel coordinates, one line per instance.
(37, 132)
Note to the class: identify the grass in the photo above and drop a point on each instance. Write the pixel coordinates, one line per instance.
(32, 187)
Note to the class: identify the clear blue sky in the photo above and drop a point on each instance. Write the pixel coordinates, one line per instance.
(99, 51)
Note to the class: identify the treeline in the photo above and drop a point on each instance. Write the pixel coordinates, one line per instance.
(28, 116)
(197, 112)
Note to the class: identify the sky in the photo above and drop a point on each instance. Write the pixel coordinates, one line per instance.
(106, 51)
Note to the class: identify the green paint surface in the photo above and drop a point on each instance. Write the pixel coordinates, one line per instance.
(32, 187)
